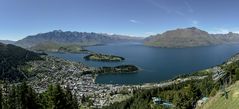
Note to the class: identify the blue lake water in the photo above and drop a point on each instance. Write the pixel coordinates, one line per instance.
(157, 64)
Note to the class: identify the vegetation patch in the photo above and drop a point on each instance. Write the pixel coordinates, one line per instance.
(12, 58)
(221, 102)
(117, 69)
(55, 47)
(23, 96)
(103, 57)
(182, 96)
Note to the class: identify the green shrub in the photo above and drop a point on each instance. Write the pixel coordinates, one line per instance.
(237, 73)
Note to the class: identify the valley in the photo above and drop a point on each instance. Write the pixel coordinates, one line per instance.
(119, 54)
(67, 66)
(81, 69)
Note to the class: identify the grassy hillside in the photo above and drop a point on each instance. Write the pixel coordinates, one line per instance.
(220, 102)
(54, 47)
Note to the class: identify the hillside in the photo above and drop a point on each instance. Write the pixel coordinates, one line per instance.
(220, 102)
(189, 37)
(11, 58)
(183, 94)
(56, 47)
(68, 37)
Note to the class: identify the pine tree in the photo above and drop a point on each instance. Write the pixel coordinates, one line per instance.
(49, 97)
(59, 98)
(33, 102)
(71, 99)
(5, 100)
(23, 95)
(28, 97)
(1, 99)
(75, 102)
(237, 73)
(12, 98)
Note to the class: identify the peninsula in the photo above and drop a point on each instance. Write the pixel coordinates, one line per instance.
(56, 47)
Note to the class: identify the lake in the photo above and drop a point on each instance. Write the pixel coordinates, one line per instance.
(157, 64)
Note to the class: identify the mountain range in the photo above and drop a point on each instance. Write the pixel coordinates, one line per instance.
(189, 37)
(178, 38)
(68, 37)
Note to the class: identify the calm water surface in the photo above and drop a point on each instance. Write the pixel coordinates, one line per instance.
(157, 64)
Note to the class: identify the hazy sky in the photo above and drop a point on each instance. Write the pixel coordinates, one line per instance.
(19, 18)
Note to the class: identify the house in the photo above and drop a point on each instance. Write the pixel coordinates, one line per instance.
(157, 100)
(202, 101)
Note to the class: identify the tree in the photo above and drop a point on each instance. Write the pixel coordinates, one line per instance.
(1, 99)
(28, 97)
(237, 73)
(5, 99)
(12, 98)
(48, 96)
(59, 98)
(71, 99)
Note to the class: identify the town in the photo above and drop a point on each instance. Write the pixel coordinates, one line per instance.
(69, 74)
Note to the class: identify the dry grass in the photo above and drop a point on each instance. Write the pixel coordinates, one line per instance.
(220, 102)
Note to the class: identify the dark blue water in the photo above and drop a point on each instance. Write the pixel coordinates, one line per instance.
(157, 64)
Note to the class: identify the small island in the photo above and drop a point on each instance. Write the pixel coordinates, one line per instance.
(103, 57)
(112, 70)
(119, 69)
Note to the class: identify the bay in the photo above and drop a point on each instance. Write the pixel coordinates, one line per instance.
(156, 64)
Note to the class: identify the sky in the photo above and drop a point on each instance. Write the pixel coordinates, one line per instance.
(20, 18)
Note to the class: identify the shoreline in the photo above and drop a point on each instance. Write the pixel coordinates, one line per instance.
(52, 72)
(233, 58)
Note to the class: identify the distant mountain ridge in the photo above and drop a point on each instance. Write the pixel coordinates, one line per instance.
(189, 37)
(7, 42)
(68, 37)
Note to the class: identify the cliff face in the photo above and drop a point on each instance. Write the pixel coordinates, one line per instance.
(189, 37)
